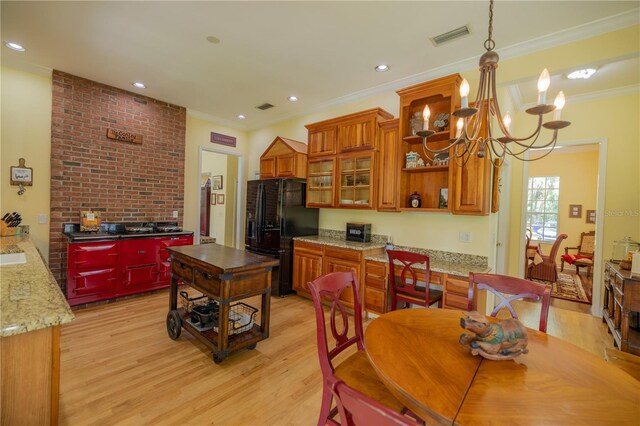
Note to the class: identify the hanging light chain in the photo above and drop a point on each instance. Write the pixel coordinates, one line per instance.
(489, 44)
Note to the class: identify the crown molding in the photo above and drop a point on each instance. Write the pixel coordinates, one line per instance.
(591, 96)
(588, 30)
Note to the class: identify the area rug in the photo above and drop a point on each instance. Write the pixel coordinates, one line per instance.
(568, 287)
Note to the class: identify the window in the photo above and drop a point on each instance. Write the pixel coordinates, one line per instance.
(542, 207)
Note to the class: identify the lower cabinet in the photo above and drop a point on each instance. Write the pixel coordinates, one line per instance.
(108, 269)
(312, 260)
(377, 296)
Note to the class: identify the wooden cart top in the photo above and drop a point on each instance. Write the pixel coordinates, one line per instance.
(223, 259)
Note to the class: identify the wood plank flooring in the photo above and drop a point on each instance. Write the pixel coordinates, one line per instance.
(119, 367)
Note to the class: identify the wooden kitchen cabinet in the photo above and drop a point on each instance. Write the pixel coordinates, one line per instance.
(320, 182)
(388, 166)
(307, 265)
(284, 158)
(311, 260)
(357, 186)
(377, 294)
(322, 139)
(467, 185)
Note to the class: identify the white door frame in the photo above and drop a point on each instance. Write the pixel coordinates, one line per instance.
(596, 292)
(239, 219)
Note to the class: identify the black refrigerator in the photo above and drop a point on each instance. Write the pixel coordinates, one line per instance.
(276, 213)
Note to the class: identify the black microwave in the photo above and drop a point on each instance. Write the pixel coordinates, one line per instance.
(360, 232)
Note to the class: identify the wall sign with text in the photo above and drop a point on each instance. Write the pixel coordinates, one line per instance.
(221, 139)
(21, 175)
(124, 136)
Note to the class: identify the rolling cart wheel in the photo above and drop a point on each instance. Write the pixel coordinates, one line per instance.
(217, 358)
(174, 324)
(252, 346)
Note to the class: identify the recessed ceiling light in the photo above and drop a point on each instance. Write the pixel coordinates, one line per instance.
(382, 68)
(139, 85)
(583, 73)
(241, 116)
(214, 40)
(15, 46)
(293, 98)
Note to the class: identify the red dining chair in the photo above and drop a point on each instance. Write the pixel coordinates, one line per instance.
(357, 409)
(355, 370)
(517, 288)
(405, 286)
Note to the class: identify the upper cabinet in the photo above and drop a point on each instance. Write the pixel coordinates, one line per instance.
(342, 161)
(442, 185)
(284, 158)
(353, 132)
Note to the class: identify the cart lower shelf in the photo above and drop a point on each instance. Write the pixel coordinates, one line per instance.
(247, 339)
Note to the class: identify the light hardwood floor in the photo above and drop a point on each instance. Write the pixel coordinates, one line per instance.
(118, 366)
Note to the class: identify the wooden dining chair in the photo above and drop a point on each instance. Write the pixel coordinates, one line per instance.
(517, 288)
(357, 409)
(355, 370)
(405, 286)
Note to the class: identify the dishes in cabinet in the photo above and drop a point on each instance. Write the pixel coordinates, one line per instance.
(346, 201)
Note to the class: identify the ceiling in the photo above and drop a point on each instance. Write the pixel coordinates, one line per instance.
(322, 52)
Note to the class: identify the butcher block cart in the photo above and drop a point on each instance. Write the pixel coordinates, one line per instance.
(226, 276)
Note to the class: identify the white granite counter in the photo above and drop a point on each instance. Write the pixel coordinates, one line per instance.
(439, 265)
(459, 264)
(339, 242)
(30, 298)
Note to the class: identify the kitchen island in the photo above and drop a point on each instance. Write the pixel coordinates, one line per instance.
(32, 309)
(226, 276)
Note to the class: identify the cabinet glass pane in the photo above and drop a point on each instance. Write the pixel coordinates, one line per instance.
(362, 179)
(321, 196)
(363, 163)
(321, 167)
(348, 165)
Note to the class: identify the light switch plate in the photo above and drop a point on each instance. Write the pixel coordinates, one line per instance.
(175, 213)
(464, 237)
(42, 218)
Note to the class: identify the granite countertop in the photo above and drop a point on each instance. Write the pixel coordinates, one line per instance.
(440, 265)
(459, 264)
(339, 242)
(30, 298)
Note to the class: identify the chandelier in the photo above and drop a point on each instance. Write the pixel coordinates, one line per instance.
(474, 127)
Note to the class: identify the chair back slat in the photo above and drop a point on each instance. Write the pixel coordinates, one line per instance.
(330, 287)
(404, 282)
(517, 288)
(356, 409)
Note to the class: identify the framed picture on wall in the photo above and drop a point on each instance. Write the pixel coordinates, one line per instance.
(220, 198)
(591, 216)
(575, 211)
(216, 182)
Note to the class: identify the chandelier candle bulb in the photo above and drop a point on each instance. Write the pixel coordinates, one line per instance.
(464, 92)
(426, 113)
(506, 120)
(559, 103)
(459, 125)
(543, 84)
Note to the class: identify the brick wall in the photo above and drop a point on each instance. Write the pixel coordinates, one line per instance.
(124, 181)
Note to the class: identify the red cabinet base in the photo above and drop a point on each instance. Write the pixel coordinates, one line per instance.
(108, 269)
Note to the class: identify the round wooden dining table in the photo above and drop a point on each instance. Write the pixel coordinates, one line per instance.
(418, 357)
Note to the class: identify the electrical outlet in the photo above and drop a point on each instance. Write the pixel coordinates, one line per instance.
(42, 218)
(175, 213)
(464, 237)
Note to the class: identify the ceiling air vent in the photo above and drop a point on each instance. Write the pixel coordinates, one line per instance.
(450, 35)
(265, 106)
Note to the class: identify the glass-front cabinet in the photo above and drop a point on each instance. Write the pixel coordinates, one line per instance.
(320, 182)
(356, 180)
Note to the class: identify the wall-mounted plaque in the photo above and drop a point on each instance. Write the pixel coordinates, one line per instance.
(124, 136)
(21, 175)
(221, 139)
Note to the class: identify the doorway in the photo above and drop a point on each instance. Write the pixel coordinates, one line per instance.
(580, 167)
(220, 198)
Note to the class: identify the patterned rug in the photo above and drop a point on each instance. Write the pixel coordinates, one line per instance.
(568, 287)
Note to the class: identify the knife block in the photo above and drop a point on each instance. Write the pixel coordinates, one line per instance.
(6, 231)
